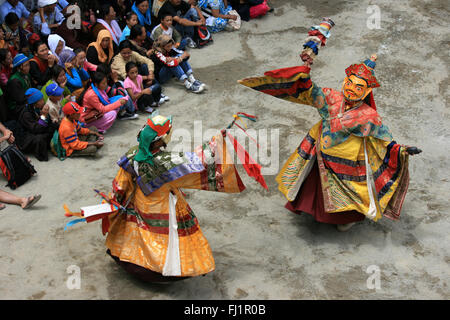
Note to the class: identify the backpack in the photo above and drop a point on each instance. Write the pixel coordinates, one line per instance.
(202, 36)
(56, 147)
(15, 167)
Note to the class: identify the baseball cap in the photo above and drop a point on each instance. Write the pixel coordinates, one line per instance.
(71, 108)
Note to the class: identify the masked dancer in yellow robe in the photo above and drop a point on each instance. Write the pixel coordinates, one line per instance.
(157, 236)
(348, 167)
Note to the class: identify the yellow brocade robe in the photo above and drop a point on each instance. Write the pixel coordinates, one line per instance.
(160, 231)
(373, 185)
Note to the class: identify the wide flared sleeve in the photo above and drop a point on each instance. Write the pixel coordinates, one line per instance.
(292, 84)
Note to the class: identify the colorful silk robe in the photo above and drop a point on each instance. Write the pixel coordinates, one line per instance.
(360, 166)
(160, 231)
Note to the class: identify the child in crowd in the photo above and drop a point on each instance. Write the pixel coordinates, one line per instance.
(169, 62)
(132, 19)
(55, 96)
(76, 140)
(143, 98)
(165, 27)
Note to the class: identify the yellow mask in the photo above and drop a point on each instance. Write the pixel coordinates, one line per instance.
(355, 89)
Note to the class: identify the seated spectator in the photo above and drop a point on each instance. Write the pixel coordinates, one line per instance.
(165, 27)
(6, 67)
(131, 20)
(218, 14)
(15, 6)
(36, 127)
(114, 89)
(122, 7)
(185, 15)
(102, 50)
(41, 64)
(55, 95)
(58, 76)
(24, 202)
(82, 61)
(100, 110)
(143, 98)
(76, 140)
(137, 38)
(76, 75)
(250, 9)
(56, 44)
(172, 63)
(15, 35)
(47, 19)
(144, 13)
(17, 85)
(126, 55)
(107, 21)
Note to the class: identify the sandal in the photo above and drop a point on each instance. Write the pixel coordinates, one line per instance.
(32, 201)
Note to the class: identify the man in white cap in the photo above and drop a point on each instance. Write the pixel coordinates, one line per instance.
(48, 17)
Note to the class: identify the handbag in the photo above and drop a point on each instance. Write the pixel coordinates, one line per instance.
(93, 115)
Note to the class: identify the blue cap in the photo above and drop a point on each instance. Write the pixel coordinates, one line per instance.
(54, 90)
(19, 59)
(33, 95)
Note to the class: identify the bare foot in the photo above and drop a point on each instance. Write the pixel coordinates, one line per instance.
(2, 206)
(30, 201)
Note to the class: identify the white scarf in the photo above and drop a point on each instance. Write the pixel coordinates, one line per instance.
(115, 31)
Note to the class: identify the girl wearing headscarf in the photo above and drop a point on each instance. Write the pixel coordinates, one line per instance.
(143, 10)
(75, 73)
(102, 50)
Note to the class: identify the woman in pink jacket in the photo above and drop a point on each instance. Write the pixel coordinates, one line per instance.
(100, 110)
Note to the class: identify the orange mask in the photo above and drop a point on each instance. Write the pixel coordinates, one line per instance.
(355, 89)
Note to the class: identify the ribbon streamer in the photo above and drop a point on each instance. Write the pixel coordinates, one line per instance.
(71, 223)
(252, 168)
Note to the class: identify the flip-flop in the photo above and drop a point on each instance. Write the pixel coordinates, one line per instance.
(36, 198)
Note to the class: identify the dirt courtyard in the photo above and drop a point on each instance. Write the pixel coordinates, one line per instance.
(261, 250)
